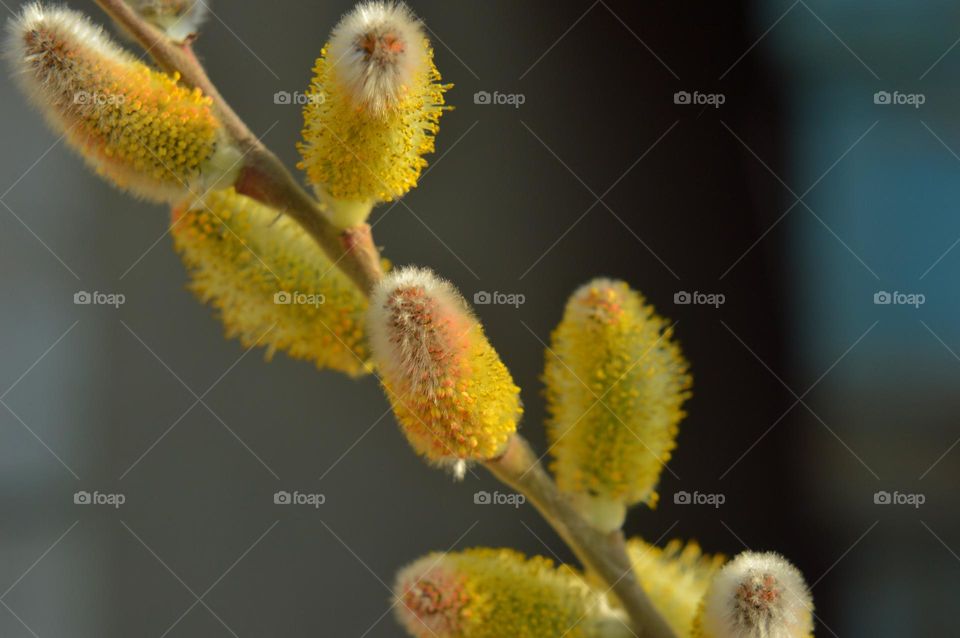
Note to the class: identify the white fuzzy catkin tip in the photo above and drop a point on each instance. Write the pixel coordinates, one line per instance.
(72, 27)
(758, 595)
(180, 19)
(396, 335)
(377, 51)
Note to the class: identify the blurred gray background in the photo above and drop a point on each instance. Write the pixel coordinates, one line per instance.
(809, 398)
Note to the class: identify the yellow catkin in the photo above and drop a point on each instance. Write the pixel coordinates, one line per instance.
(137, 127)
(352, 154)
(261, 271)
(675, 577)
(498, 593)
(615, 384)
(451, 393)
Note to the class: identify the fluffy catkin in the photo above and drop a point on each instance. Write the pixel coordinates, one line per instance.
(675, 577)
(271, 283)
(372, 111)
(135, 126)
(498, 593)
(615, 384)
(451, 393)
(756, 595)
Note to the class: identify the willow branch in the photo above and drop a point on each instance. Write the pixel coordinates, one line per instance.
(603, 554)
(263, 176)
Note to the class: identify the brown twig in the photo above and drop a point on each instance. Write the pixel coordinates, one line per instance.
(603, 554)
(263, 176)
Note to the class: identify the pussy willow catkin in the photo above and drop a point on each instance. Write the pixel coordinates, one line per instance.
(453, 396)
(135, 126)
(271, 283)
(675, 577)
(615, 383)
(498, 593)
(756, 595)
(372, 111)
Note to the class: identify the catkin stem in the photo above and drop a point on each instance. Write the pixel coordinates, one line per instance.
(603, 553)
(266, 179)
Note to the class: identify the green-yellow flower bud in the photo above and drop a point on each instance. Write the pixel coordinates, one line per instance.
(372, 111)
(615, 384)
(271, 282)
(675, 577)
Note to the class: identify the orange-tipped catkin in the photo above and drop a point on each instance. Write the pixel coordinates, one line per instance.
(271, 282)
(372, 111)
(453, 397)
(756, 595)
(498, 593)
(135, 126)
(615, 384)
